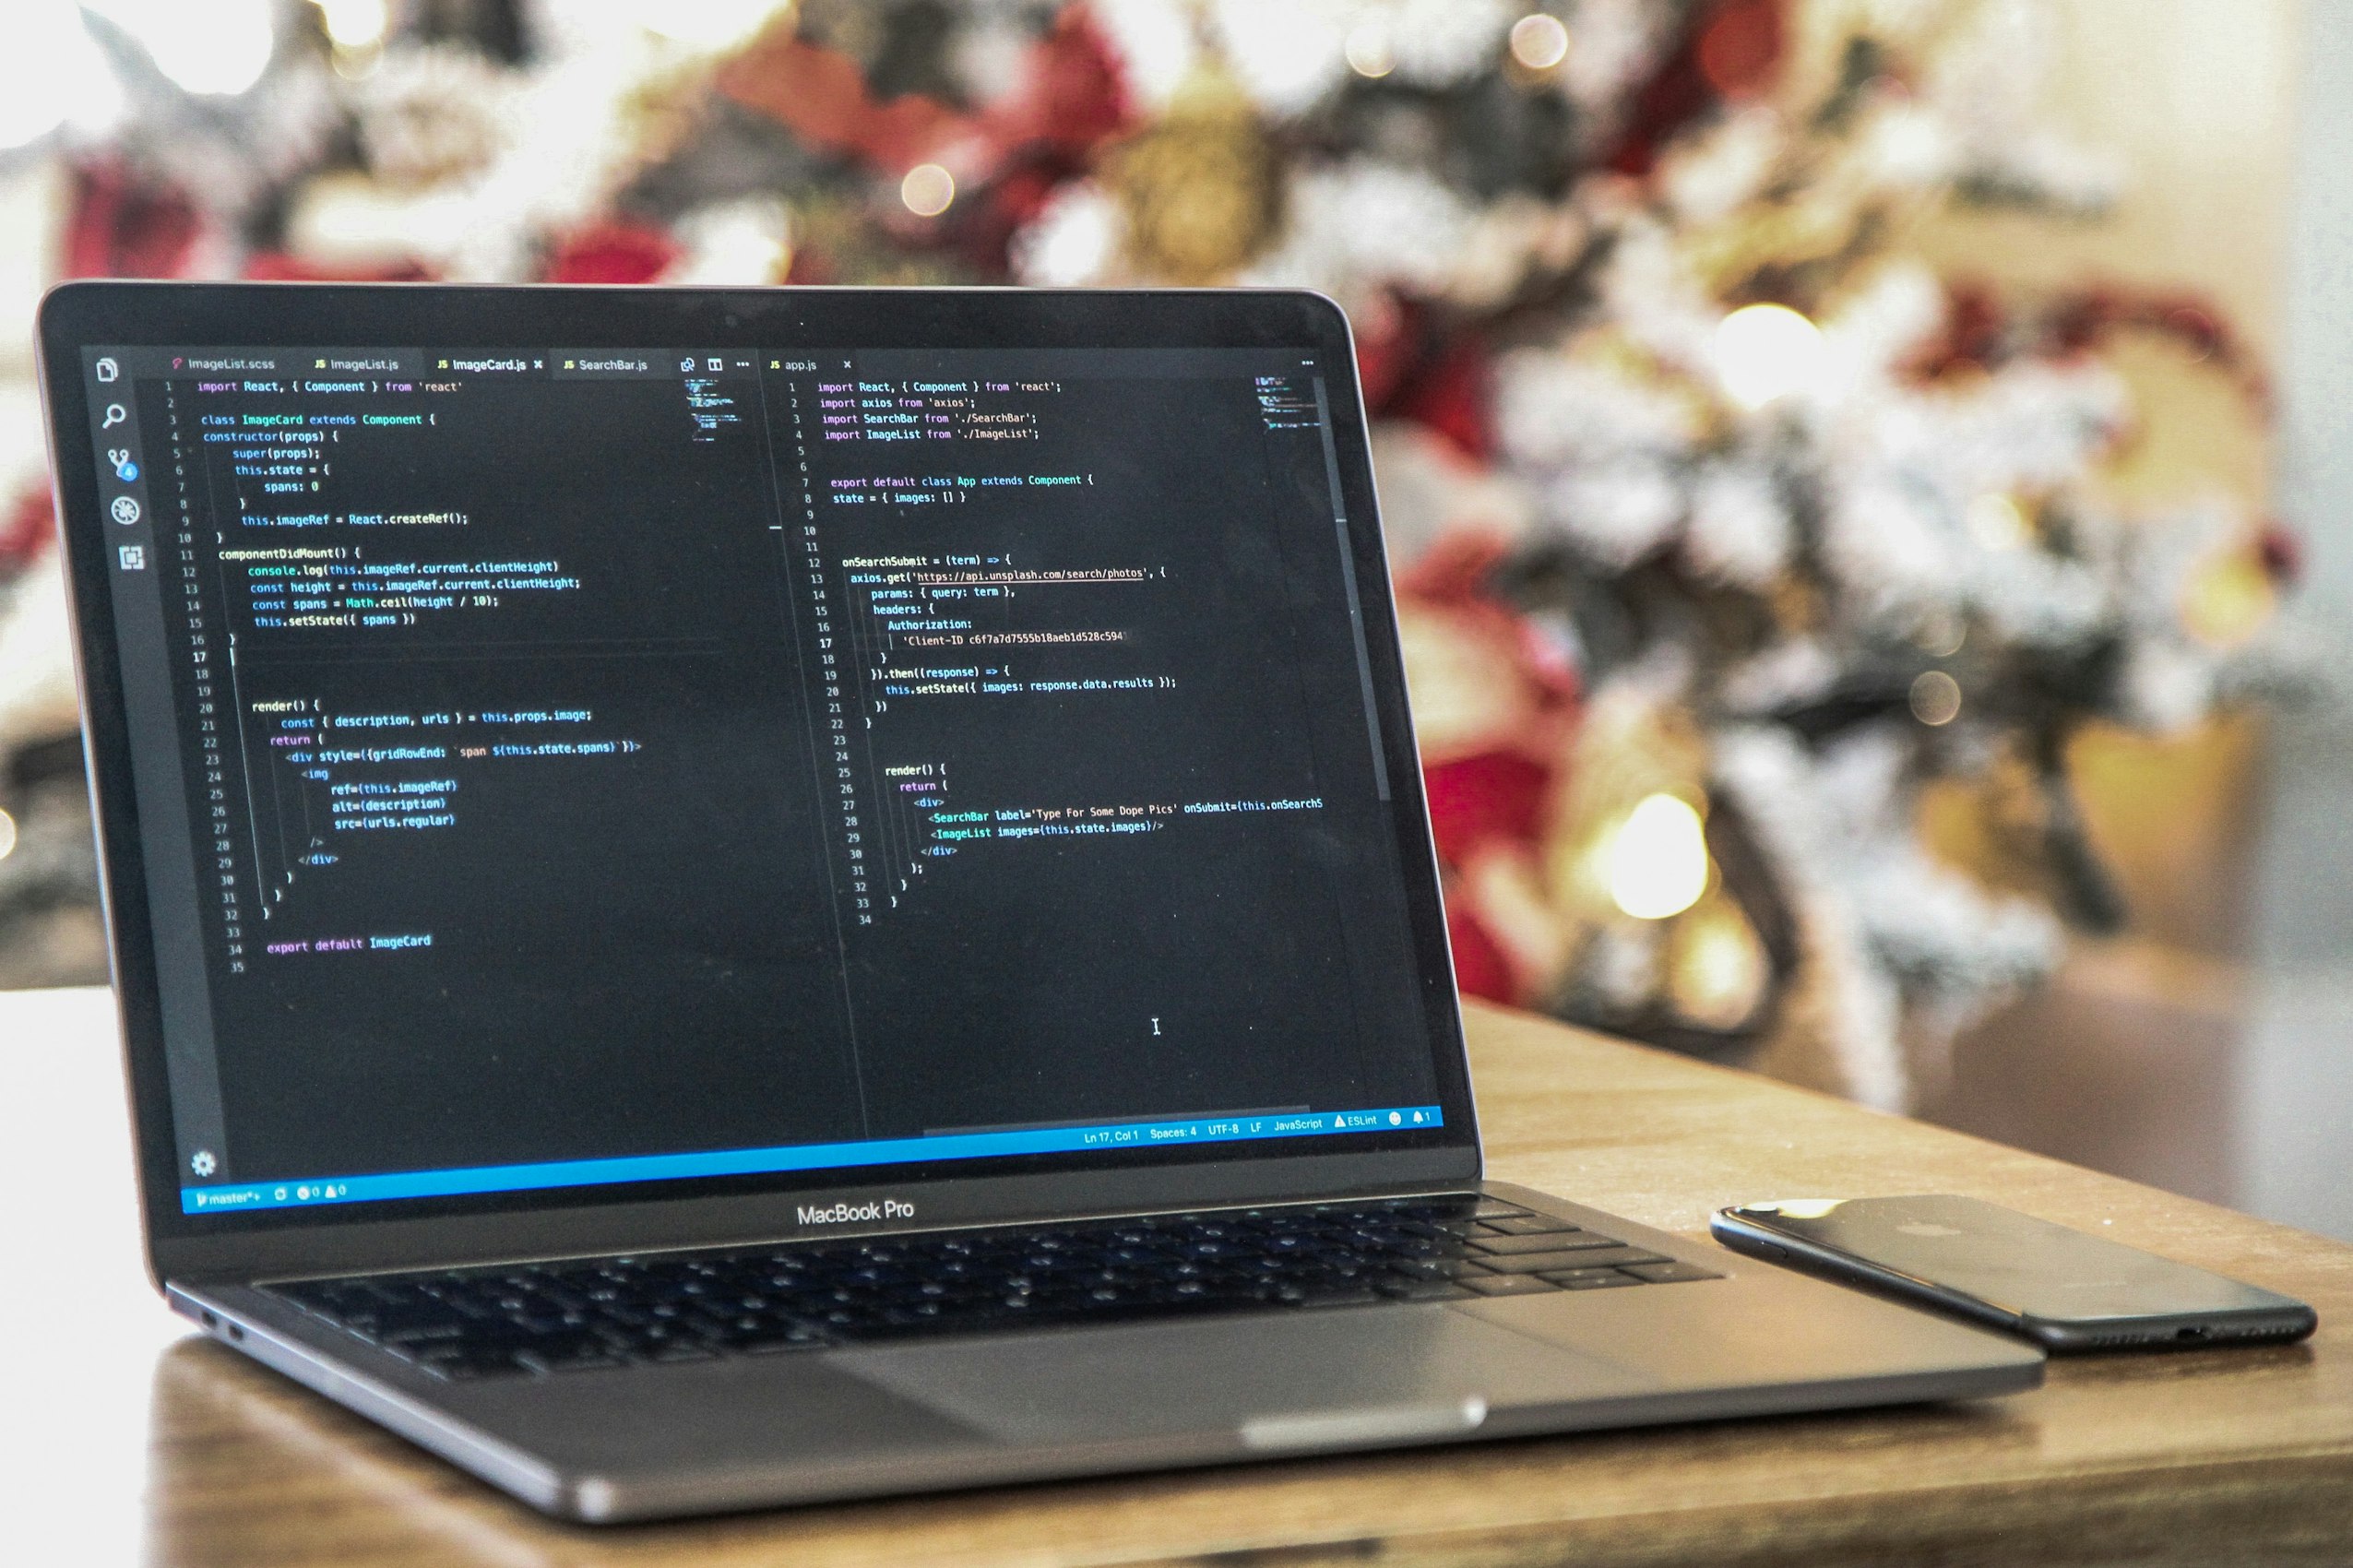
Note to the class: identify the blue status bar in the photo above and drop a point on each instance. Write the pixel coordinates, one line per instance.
(800, 1157)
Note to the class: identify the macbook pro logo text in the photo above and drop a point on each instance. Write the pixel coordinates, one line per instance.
(858, 1214)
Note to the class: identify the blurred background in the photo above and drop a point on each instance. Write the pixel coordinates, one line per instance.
(1866, 480)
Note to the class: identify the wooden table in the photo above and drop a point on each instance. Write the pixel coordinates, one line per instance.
(123, 1440)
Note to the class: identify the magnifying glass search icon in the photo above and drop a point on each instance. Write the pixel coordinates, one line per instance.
(114, 416)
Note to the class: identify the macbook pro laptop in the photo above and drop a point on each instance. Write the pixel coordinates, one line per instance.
(734, 897)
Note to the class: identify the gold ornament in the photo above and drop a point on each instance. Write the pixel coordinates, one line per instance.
(1718, 971)
(1993, 826)
(1629, 748)
(1202, 189)
(2228, 597)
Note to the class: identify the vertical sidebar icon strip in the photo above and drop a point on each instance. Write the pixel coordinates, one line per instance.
(167, 845)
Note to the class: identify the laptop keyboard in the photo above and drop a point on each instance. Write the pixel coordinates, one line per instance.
(591, 1313)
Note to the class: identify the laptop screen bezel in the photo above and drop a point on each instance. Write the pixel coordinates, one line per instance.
(79, 316)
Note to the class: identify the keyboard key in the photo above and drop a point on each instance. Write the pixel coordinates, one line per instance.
(681, 1351)
(1328, 1295)
(456, 1327)
(1670, 1272)
(1525, 1225)
(461, 1363)
(1495, 1209)
(1548, 1263)
(421, 1315)
(764, 1339)
(1433, 1268)
(574, 1353)
(1506, 1284)
(1591, 1278)
(1549, 1242)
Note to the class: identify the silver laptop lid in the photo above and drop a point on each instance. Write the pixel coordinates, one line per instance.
(609, 767)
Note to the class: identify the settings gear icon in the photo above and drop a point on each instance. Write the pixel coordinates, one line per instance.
(202, 1162)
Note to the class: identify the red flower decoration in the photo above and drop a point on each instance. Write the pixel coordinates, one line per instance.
(820, 96)
(1072, 97)
(1487, 796)
(278, 267)
(1451, 391)
(1480, 966)
(1740, 45)
(613, 253)
(27, 528)
(1497, 701)
(1731, 50)
(119, 227)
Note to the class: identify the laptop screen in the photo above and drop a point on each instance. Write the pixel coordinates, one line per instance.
(559, 766)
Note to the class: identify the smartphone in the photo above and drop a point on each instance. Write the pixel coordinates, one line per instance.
(2064, 1290)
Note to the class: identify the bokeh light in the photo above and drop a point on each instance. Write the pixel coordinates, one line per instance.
(1368, 51)
(1764, 353)
(1540, 42)
(709, 24)
(220, 47)
(355, 24)
(1659, 860)
(1936, 699)
(1998, 522)
(927, 190)
(38, 38)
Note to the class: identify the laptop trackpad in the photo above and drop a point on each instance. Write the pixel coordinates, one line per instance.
(1318, 1379)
